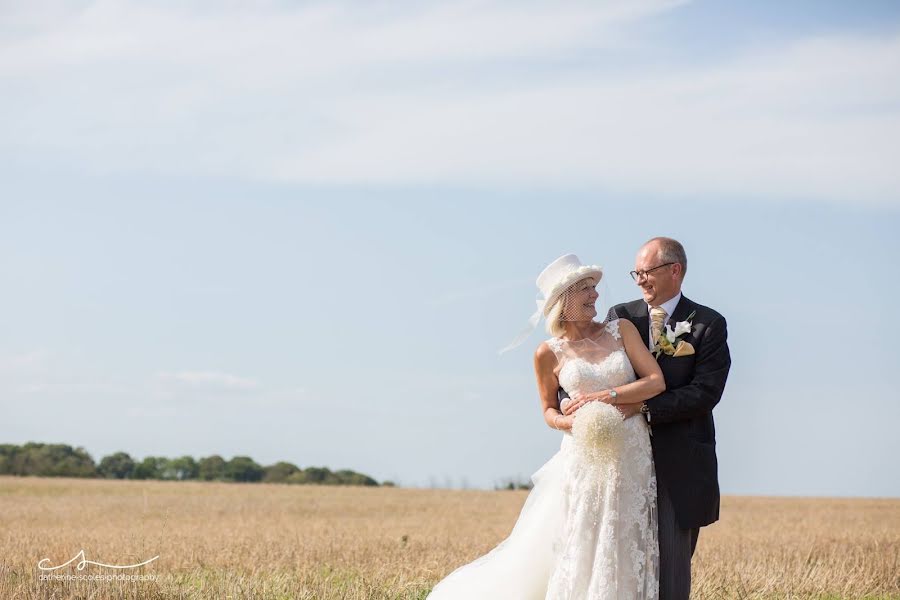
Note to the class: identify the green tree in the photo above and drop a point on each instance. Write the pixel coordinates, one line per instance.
(150, 468)
(279, 472)
(348, 477)
(318, 475)
(61, 460)
(315, 475)
(211, 468)
(243, 468)
(116, 466)
(52, 460)
(7, 456)
(164, 469)
(183, 467)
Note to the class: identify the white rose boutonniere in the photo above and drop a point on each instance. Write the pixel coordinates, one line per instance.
(668, 342)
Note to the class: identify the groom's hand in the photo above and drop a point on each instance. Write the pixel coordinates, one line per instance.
(629, 410)
(569, 406)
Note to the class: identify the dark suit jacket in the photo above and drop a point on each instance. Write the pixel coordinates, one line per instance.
(683, 433)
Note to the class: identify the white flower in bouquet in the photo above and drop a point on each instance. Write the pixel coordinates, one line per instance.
(597, 429)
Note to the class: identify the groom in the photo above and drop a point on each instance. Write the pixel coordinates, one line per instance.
(683, 435)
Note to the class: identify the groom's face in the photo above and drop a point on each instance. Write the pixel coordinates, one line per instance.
(660, 285)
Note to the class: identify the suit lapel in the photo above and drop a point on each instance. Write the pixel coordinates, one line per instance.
(681, 312)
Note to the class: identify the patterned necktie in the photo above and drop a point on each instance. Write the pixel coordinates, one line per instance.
(657, 318)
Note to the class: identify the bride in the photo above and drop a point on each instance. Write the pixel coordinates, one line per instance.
(588, 529)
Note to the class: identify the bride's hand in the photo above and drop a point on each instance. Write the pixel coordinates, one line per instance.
(564, 423)
(569, 405)
(580, 400)
(605, 397)
(575, 402)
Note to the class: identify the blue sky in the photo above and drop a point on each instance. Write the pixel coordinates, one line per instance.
(302, 231)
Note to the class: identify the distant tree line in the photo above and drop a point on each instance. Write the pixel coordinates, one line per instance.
(61, 460)
(513, 484)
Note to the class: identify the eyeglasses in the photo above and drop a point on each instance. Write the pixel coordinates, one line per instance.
(638, 275)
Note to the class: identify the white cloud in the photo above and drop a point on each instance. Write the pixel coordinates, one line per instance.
(497, 93)
(208, 380)
(24, 362)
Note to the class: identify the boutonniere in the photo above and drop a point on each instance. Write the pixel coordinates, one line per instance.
(668, 343)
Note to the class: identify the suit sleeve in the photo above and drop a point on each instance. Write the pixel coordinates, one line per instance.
(705, 389)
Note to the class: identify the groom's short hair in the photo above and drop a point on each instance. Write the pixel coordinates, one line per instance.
(671, 251)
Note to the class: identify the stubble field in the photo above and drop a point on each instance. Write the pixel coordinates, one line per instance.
(221, 540)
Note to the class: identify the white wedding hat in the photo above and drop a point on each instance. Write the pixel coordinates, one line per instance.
(552, 282)
(559, 275)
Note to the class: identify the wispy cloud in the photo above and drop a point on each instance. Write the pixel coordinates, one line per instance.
(208, 380)
(43, 377)
(493, 93)
(24, 362)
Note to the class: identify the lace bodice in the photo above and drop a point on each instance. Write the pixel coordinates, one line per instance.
(594, 364)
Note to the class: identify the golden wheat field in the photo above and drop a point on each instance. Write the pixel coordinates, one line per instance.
(226, 540)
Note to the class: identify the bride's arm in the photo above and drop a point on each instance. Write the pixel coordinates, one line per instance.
(548, 387)
(650, 384)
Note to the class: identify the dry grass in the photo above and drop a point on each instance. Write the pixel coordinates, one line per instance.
(218, 540)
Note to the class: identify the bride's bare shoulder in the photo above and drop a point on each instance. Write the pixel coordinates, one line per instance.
(544, 355)
(626, 325)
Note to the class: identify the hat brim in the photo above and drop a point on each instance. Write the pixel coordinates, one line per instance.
(578, 274)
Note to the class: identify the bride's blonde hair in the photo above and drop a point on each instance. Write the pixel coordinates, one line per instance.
(555, 325)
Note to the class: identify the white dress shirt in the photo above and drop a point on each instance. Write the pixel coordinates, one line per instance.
(669, 307)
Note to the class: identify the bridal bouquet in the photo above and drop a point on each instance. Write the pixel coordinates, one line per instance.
(597, 429)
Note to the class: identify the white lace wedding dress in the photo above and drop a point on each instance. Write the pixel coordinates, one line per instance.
(587, 531)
